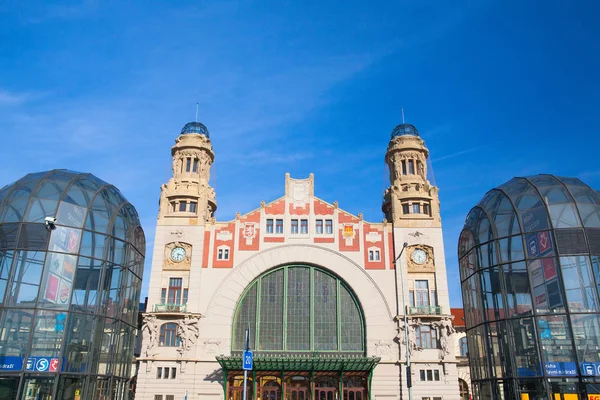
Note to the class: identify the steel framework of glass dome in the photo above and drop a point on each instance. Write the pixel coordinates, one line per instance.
(529, 259)
(69, 290)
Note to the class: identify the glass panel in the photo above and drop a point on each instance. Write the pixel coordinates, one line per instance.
(80, 329)
(85, 289)
(325, 311)
(48, 332)
(558, 349)
(26, 279)
(38, 388)
(581, 292)
(492, 294)
(518, 296)
(65, 240)
(246, 316)
(525, 351)
(352, 326)
(70, 388)
(298, 309)
(586, 333)
(587, 202)
(271, 316)
(39, 209)
(547, 293)
(15, 327)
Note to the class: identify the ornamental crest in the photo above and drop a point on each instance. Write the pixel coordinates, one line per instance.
(348, 232)
(249, 230)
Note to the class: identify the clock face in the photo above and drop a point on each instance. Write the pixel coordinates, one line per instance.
(419, 256)
(178, 254)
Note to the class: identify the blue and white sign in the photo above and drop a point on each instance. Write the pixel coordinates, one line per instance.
(247, 360)
(11, 363)
(590, 368)
(561, 369)
(42, 364)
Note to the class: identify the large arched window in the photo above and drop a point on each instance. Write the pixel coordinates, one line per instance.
(299, 308)
(168, 335)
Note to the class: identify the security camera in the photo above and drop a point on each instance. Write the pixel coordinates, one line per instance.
(49, 222)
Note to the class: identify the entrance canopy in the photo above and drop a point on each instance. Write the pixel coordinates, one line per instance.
(301, 363)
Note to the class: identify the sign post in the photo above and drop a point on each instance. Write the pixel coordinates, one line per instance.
(247, 362)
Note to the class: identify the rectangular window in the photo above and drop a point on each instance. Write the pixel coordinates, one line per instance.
(319, 226)
(174, 373)
(426, 209)
(166, 374)
(158, 397)
(182, 206)
(223, 254)
(193, 206)
(377, 256)
(422, 374)
(416, 208)
(304, 226)
(403, 167)
(163, 296)
(436, 374)
(429, 375)
(411, 167)
(159, 373)
(411, 297)
(422, 293)
(175, 290)
(328, 226)
(426, 337)
(294, 226)
(173, 206)
(371, 255)
(433, 298)
(195, 167)
(170, 397)
(374, 255)
(188, 164)
(437, 398)
(279, 226)
(405, 209)
(270, 226)
(185, 296)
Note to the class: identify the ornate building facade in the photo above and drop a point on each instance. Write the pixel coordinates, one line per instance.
(317, 287)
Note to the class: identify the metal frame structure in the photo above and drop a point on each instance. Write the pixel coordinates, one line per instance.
(572, 222)
(114, 246)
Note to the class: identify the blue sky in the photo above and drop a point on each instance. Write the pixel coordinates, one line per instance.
(496, 89)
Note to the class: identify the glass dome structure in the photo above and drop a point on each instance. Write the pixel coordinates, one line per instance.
(71, 263)
(195, 127)
(405, 130)
(529, 257)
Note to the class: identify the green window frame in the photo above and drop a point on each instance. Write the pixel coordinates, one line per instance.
(299, 308)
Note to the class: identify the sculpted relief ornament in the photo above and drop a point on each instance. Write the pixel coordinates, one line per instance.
(149, 335)
(446, 330)
(187, 330)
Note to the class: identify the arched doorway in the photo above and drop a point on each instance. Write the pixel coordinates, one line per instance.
(297, 388)
(326, 388)
(464, 390)
(355, 388)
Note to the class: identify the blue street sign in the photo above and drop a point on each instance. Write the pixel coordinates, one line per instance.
(11, 363)
(247, 361)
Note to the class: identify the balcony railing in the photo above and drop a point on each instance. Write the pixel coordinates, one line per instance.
(176, 308)
(425, 310)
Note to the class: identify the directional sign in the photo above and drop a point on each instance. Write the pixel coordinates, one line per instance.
(42, 364)
(54, 365)
(247, 360)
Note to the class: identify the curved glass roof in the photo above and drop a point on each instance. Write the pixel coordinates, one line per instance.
(530, 204)
(195, 127)
(405, 129)
(75, 199)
